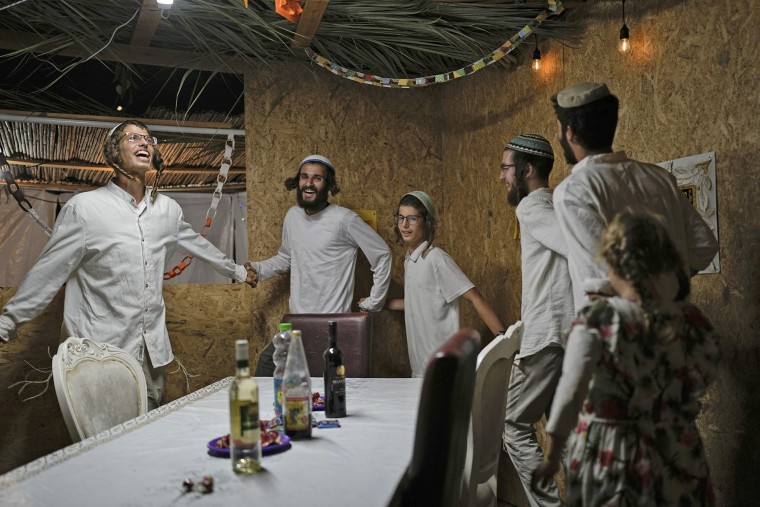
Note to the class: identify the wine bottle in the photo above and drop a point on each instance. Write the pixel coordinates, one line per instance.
(334, 376)
(296, 389)
(245, 434)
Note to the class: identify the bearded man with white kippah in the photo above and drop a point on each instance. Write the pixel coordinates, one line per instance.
(546, 309)
(603, 183)
(320, 243)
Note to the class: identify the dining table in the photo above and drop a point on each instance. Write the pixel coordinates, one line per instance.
(145, 461)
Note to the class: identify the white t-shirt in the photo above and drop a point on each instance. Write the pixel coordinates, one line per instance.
(600, 187)
(320, 252)
(547, 295)
(432, 286)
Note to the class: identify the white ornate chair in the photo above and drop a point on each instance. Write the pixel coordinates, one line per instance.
(489, 405)
(98, 386)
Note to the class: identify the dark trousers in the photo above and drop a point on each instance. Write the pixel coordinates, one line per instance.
(265, 364)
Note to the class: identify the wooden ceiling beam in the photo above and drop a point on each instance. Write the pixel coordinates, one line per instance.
(147, 22)
(105, 168)
(118, 119)
(171, 58)
(81, 186)
(308, 23)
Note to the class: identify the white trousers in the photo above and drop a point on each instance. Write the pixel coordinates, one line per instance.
(155, 378)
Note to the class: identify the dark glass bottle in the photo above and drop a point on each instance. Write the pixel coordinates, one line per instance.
(335, 376)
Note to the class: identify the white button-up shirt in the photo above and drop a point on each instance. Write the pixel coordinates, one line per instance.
(111, 253)
(547, 296)
(432, 287)
(601, 186)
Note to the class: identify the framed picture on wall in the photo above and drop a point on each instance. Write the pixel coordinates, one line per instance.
(696, 179)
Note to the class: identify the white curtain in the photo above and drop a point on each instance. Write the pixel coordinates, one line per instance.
(22, 240)
(228, 233)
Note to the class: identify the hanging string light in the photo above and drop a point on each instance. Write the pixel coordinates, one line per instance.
(536, 57)
(624, 46)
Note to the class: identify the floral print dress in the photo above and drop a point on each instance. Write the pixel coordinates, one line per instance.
(632, 380)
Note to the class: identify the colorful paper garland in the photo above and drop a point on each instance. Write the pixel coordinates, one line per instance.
(555, 7)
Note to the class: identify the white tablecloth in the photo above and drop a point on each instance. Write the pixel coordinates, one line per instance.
(144, 461)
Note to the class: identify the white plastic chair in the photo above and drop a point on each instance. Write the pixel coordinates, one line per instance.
(489, 407)
(98, 386)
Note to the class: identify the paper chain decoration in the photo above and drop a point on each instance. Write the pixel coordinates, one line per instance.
(554, 8)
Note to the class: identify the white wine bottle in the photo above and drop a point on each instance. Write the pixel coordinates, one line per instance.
(245, 434)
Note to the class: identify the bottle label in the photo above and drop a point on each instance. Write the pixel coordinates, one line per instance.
(248, 417)
(297, 413)
(249, 426)
(278, 397)
(339, 385)
(341, 370)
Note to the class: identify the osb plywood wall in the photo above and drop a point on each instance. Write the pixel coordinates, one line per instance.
(383, 144)
(689, 86)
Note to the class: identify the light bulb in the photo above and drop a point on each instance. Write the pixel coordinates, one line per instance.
(165, 4)
(536, 60)
(624, 46)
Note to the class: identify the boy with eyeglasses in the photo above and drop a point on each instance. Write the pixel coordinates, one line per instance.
(109, 246)
(433, 284)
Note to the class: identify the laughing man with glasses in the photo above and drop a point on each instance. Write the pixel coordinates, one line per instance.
(109, 246)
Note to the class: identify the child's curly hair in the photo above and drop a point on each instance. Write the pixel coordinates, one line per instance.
(637, 246)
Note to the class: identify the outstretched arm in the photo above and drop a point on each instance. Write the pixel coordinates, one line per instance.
(379, 256)
(61, 256)
(394, 304)
(484, 310)
(544, 474)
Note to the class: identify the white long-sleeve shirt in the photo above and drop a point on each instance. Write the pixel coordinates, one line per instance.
(547, 296)
(111, 253)
(320, 252)
(601, 186)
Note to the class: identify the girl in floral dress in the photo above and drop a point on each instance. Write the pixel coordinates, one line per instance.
(634, 369)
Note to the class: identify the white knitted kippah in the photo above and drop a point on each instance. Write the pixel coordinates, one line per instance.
(318, 159)
(426, 201)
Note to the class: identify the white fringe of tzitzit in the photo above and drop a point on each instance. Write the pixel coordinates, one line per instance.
(26, 382)
(187, 374)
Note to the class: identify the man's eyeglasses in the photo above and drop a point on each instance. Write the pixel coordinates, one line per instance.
(135, 137)
(410, 219)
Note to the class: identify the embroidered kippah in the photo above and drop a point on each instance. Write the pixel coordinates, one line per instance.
(532, 144)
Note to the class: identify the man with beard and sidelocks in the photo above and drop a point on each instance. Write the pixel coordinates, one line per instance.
(546, 310)
(320, 242)
(603, 183)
